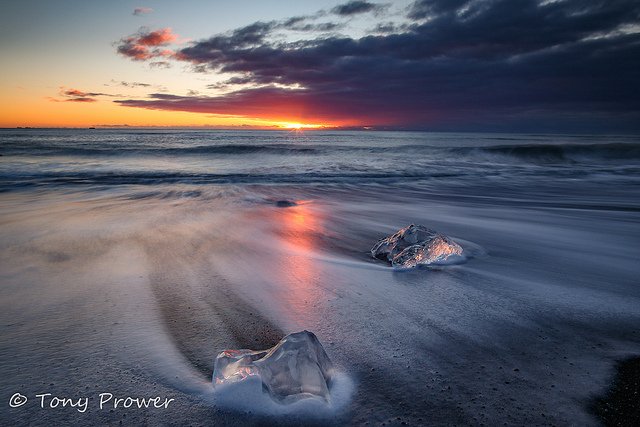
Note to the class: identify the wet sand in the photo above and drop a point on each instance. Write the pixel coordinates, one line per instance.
(135, 295)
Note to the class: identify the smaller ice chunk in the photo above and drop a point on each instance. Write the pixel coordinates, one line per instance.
(386, 249)
(417, 245)
(440, 250)
(296, 368)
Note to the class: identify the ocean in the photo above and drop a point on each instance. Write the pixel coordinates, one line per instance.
(130, 258)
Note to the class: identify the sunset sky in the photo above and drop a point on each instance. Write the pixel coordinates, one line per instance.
(548, 65)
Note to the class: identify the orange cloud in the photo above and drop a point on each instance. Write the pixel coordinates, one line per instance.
(76, 95)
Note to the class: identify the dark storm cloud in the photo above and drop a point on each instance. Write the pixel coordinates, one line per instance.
(455, 62)
(354, 7)
(318, 27)
(258, 33)
(237, 80)
(424, 8)
(386, 27)
(307, 23)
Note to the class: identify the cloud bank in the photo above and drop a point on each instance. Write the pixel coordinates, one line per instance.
(450, 64)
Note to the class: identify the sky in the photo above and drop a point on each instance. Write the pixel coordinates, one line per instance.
(452, 65)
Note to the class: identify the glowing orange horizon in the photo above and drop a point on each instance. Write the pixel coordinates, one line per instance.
(42, 112)
(301, 126)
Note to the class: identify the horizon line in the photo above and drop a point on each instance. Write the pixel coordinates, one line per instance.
(302, 130)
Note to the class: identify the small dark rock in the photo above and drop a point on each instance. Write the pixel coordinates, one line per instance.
(285, 203)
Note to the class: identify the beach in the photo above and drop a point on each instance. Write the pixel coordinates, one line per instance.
(131, 258)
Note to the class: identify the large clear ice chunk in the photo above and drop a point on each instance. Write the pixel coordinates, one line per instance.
(417, 245)
(296, 368)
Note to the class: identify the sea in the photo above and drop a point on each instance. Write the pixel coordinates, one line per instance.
(129, 258)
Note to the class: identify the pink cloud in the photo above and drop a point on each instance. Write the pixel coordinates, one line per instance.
(74, 92)
(146, 44)
(159, 37)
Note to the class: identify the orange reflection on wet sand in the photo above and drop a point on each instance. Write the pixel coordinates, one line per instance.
(299, 229)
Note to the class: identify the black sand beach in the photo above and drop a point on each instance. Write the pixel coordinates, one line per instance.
(134, 288)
